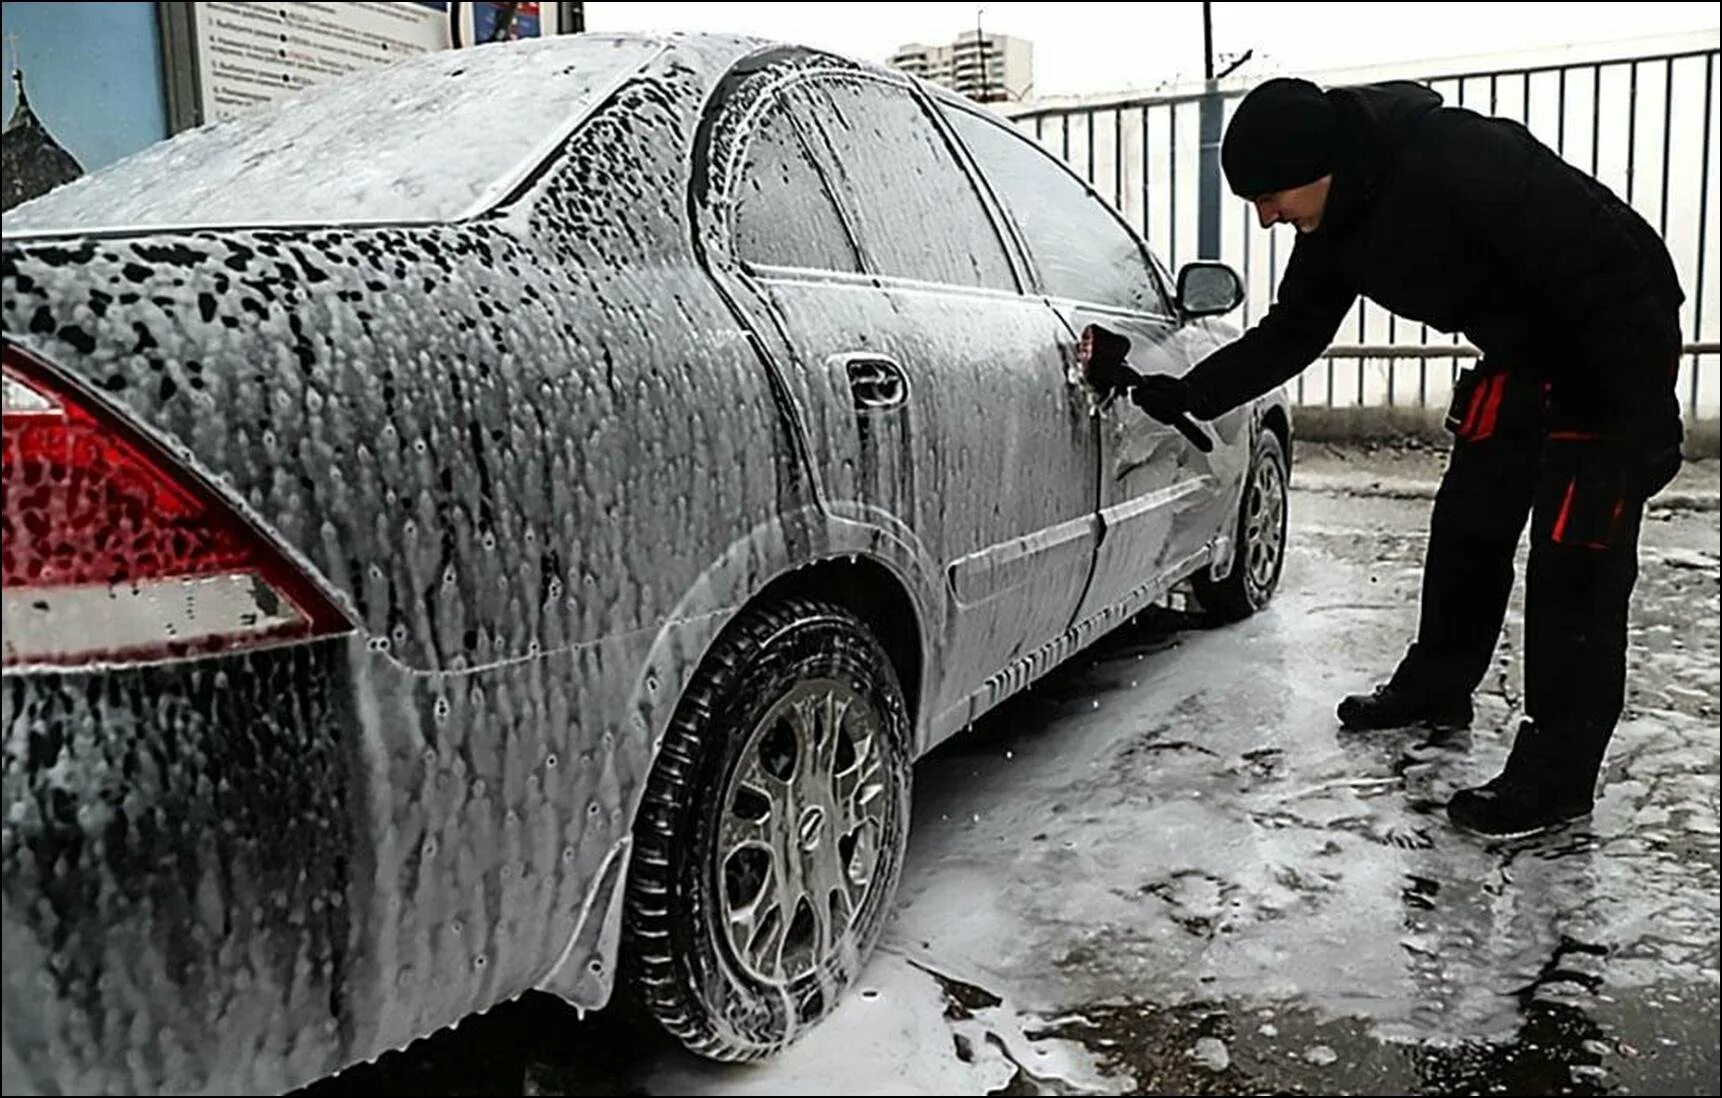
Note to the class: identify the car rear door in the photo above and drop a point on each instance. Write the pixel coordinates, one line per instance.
(936, 394)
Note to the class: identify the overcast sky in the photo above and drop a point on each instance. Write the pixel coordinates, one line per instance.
(1110, 47)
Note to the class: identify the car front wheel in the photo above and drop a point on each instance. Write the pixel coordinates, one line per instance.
(1261, 538)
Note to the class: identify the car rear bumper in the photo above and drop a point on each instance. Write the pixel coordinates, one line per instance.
(242, 873)
(177, 856)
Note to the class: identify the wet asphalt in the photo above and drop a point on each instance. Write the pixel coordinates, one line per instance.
(1166, 870)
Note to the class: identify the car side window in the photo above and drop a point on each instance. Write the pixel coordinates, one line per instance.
(785, 216)
(916, 212)
(1081, 248)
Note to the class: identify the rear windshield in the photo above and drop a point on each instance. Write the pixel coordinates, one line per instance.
(437, 138)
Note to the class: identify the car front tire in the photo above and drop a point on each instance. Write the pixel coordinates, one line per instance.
(1260, 538)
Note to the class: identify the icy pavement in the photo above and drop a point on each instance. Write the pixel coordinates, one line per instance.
(1166, 870)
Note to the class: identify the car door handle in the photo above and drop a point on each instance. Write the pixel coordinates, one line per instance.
(877, 382)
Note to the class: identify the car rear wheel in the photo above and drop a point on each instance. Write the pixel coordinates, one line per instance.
(1261, 539)
(772, 833)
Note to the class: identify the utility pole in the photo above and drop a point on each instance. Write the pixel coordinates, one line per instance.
(1207, 40)
(1208, 174)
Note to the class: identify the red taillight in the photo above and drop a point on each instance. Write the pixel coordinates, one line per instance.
(110, 553)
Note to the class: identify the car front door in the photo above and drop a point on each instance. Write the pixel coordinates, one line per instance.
(1162, 500)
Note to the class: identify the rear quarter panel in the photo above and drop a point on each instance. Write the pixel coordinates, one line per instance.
(537, 462)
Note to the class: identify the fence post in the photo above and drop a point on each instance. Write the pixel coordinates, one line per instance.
(1208, 178)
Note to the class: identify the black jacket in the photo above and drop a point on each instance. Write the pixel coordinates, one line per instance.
(1472, 225)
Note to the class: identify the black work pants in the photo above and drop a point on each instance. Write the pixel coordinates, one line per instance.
(1510, 463)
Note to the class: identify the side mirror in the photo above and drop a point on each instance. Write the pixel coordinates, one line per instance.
(1209, 289)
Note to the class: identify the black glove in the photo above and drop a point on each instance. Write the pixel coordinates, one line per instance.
(1170, 400)
(1165, 398)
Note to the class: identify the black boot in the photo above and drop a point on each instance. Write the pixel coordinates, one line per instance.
(1539, 789)
(1397, 705)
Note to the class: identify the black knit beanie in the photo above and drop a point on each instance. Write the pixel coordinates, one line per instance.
(1284, 134)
